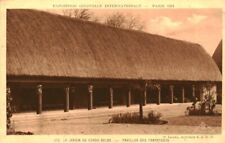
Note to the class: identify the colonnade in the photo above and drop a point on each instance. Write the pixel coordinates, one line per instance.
(91, 88)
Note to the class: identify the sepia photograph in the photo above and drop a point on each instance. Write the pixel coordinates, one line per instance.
(114, 71)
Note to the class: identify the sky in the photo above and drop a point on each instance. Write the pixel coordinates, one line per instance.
(202, 26)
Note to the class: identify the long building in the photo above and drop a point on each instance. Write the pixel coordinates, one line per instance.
(60, 62)
(217, 56)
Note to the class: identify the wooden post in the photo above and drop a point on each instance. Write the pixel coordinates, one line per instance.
(110, 97)
(193, 91)
(171, 94)
(194, 98)
(129, 98)
(144, 96)
(159, 95)
(182, 96)
(90, 100)
(141, 106)
(39, 99)
(201, 92)
(67, 99)
(72, 98)
(217, 93)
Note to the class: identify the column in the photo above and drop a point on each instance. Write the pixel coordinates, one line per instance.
(171, 94)
(67, 99)
(193, 91)
(74, 98)
(39, 99)
(141, 105)
(144, 96)
(129, 98)
(90, 97)
(110, 97)
(201, 92)
(194, 98)
(182, 95)
(219, 92)
(159, 95)
(71, 98)
(216, 93)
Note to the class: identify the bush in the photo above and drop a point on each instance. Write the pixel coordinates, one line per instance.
(204, 107)
(8, 108)
(134, 118)
(125, 118)
(20, 133)
(154, 116)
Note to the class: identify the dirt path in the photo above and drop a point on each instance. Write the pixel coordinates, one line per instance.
(96, 122)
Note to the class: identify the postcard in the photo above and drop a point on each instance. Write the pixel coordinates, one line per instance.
(111, 71)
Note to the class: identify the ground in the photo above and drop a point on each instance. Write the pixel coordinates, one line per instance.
(95, 121)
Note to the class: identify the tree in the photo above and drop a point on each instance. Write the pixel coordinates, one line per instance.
(116, 20)
(121, 21)
(134, 23)
(83, 14)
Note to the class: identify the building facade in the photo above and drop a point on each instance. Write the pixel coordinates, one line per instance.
(217, 56)
(57, 62)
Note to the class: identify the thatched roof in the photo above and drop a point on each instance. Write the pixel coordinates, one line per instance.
(217, 56)
(43, 44)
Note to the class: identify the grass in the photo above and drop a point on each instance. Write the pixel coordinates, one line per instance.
(214, 121)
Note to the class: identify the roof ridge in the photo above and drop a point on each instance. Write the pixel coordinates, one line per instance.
(108, 26)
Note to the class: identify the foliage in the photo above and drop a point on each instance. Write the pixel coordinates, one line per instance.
(20, 133)
(118, 20)
(204, 107)
(8, 108)
(134, 118)
(83, 14)
(121, 21)
(154, 116)
(125, 118)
